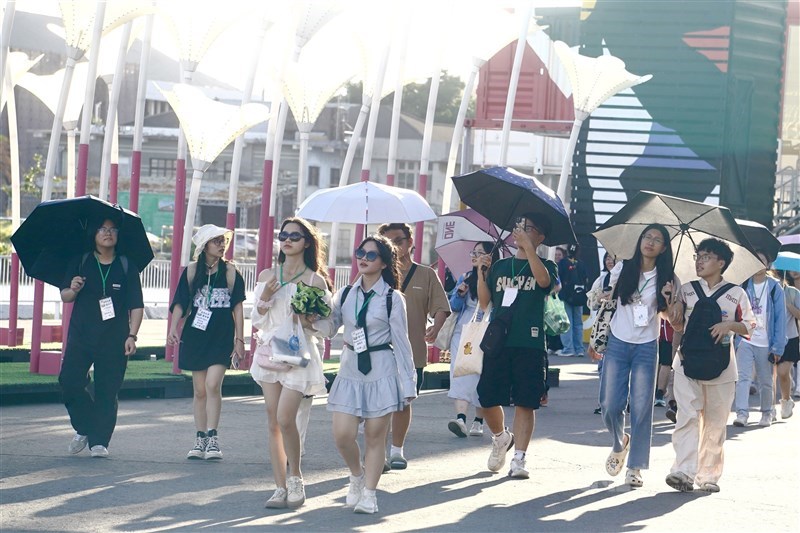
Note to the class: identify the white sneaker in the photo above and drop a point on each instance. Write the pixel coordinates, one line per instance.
(766, 420)
(295, 492)
(212, 451)
(99, 450)
(476, 430)
(199, 450)
(355, 489)
(518, 470)
(367, 504)
(79, 442)
(500, 446)
(457, 427)
(277, 500)
(786, 408)
(741, 421)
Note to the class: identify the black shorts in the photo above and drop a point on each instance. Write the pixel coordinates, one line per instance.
(517, 376)
(792, 351)
(664, 352)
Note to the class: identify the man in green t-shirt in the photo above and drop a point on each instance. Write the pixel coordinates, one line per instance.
(516, 375)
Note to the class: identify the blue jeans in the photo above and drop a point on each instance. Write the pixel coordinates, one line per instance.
(629, 370)
(572, 339)
(749, 357)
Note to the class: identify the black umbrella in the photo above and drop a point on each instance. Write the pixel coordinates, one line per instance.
(502, 195)
(688, 223)
(761, 238)
(57, 230)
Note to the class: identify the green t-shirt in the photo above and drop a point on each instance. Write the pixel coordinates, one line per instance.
(527, 323)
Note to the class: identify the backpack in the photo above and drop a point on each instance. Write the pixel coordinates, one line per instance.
(574, 290)
(346, 291)
(702, 358)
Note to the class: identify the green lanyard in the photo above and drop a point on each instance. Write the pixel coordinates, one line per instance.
(294, 278)
(366, 302)
(513, 274)
(211, 288)
(643, 287)
(103, 277)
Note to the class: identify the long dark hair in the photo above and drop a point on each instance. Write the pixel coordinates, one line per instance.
(201, 273)
(471, 279)
(628, 282)
(388, 254)
(314, 255)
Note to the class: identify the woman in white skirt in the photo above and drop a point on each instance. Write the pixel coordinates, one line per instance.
(464, 301)
(376, 376)
(301, 260)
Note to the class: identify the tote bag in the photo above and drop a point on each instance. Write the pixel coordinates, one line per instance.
(470, 355)
(598, 338)
(446, 333)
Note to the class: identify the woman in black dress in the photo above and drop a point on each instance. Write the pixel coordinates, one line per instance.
(209, 300)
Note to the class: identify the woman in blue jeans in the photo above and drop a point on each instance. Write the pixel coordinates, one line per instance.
(630, 362)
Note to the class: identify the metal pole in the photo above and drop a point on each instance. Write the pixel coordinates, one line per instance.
(138, 124)
(512, 84)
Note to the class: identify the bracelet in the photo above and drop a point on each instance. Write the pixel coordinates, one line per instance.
(238, 339)
(134, 337)
(264, 304)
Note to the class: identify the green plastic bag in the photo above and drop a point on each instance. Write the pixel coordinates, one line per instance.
(556, 321)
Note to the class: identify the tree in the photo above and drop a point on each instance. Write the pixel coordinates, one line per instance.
(415, 98)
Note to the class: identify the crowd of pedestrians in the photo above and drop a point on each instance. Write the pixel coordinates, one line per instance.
(396, 307)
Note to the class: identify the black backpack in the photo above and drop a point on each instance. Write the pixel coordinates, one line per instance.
(346, 291)
(702, 358)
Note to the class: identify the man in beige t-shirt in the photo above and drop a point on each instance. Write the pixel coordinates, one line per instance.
(425, 297)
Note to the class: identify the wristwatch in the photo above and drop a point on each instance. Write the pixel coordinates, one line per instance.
(134, 337)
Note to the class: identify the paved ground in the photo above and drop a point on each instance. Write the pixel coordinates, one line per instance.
(148, 485)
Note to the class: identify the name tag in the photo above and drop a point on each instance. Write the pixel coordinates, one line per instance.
(509, 295)
(359, 340)
(107, 308)
(201, 319)
(759, 322)
(640, 315)
(535, 332)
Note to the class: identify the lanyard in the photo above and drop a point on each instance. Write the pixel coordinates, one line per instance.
(753, 288)
(643, 286)
(104, 277)
(513, 274)
(294, 278)
(366, 302)
(211, 288)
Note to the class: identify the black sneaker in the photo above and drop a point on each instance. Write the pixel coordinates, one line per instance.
(199, 450)
(212, 448)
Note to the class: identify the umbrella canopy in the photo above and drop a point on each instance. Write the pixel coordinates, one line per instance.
(459, 232)
(790, 243)
(502, 195)
(787, 261)
(366, 203)
(688, 223)
(760, 238)
(57, 230)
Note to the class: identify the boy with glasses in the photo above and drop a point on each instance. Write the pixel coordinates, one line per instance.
(702, 417)
(425, 297)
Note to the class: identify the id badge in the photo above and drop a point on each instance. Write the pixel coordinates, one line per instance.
(509, 295)
(106, 308)
(359, 340)
(759, 322)
(201, 319)
(640, 315)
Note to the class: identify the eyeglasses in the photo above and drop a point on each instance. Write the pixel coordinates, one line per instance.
(294, 236)
(654, 240)
(107, 230)
(219, 241)
(399, 240)
(370, 256)
(473, 253)
(704, 258)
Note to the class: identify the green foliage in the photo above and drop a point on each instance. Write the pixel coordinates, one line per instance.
(310, 301)
(30, 179)
(5, 237)
(415, 98)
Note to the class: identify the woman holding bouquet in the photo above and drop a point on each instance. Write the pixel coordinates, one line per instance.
(282, 297)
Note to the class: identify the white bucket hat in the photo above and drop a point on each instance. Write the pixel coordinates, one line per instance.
(207, 233)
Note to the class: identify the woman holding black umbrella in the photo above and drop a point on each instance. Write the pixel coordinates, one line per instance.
(629, 363)
(105, 320)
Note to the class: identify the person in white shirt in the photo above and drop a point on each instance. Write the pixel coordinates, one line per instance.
(791, 354)
(763, 348)
(630, 362)
(704, 405)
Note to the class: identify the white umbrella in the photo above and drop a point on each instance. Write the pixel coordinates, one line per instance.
(366, 203)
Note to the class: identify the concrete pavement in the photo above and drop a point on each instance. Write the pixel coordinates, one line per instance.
(147, 485)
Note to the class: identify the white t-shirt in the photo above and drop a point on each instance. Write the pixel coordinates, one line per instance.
(623, 324)
(759, 296)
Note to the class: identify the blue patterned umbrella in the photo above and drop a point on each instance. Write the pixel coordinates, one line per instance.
(502, 195)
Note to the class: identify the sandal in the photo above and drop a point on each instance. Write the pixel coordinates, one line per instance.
(633, 478)
(616, 460)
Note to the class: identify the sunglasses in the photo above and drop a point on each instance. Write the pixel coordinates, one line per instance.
(369, 256)
(294, 236)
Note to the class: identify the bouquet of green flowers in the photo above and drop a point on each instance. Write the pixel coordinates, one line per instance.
(310, 301)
